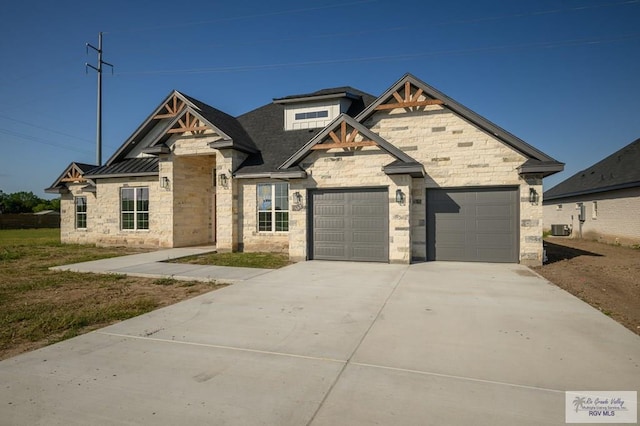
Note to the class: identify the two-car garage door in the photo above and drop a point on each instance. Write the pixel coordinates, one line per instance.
(470, 224)
(478, 225)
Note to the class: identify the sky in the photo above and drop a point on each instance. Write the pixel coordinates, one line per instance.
(563, 75)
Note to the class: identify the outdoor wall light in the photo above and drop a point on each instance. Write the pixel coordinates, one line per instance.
(534, 197)
(223, 180)
(298, 197)
(400, 197)
(164, 182)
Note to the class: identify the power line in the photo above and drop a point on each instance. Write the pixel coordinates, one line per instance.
(26, 123)
(40, 141)
(528, 46)
(238, 18)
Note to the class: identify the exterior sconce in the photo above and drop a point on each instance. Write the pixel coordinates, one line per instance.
(223, 180)
(297, 197)
(164, 182)
(534, 197)
(400, 197)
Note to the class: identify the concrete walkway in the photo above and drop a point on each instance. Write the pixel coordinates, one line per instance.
(154, 265)
(335, 343)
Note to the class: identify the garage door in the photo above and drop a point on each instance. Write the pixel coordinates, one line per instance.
(472, 225)
(350, 225)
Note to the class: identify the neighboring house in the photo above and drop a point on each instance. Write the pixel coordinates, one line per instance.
(601, 202)
(334, 174)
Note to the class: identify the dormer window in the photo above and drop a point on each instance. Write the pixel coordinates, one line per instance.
(316, 110)
(312, 114)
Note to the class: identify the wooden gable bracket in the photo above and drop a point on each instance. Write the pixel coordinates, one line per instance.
(171, 108)
(407, 100)
(346, 140)
(73, 175)
(189, 123)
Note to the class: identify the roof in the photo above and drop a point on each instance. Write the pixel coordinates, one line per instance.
(266, 128)
(334, 92)
(535, 156)
(75, 169)
(618, 171)
(144, 166)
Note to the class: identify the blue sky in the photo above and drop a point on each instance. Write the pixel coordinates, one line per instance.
(564, 75)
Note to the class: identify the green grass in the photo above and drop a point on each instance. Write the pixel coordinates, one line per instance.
(39, 306)
(244, 260)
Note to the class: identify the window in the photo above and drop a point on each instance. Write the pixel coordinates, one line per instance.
(594, 210)
(273, 207)
(559, 207)
(134, 208)
(312, 114)
(81, 212)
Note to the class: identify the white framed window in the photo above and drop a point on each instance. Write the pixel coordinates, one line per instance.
(594, 210)
(273, 207)
(81, 212)
(134, 208)
(559, 207)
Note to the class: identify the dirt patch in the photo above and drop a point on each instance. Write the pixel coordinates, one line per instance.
(605, 276)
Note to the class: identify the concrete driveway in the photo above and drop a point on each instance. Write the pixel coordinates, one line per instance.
(335, 343)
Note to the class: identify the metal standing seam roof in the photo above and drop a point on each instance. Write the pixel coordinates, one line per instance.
(617, 171)
(145, 166)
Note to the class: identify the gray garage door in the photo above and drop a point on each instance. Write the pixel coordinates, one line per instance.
(350, 225)
(472, 224)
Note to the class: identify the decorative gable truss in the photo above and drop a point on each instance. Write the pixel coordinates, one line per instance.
(348, 138)
(185, 120)
(407, 95)
(346, 133)
(74, 173)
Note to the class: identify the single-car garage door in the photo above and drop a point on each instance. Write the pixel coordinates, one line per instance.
(350, 224)
(472, 224)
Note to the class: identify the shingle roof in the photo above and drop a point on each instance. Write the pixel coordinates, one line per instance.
(617, 171)
(227, 123)
(145, 166)
(338, 91)
(266, 128)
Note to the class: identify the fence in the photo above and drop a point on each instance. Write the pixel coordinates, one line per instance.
(21, 221)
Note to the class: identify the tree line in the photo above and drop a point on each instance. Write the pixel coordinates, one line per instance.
(26, 202)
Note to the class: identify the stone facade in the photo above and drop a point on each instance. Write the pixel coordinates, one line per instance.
(611, 216)
(197, 199)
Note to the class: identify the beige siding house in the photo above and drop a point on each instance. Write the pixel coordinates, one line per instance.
(599, 203)
(337, 174)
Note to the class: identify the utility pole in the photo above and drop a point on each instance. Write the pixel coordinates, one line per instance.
(99, 115)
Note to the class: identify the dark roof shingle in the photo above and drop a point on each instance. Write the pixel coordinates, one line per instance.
(619, 170)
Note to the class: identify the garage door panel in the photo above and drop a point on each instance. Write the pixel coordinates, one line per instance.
(472, 224)
(359, 216)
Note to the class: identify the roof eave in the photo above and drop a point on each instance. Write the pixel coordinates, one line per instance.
(593, 191)
(228, 144)
(122, 175)
(545, 169)
(57, 190)
(295, 174)
(414, 170)
(315, 98)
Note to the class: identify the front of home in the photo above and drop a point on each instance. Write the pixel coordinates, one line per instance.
(336, 174)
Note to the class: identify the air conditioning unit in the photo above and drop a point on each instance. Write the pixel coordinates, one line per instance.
(560, 230)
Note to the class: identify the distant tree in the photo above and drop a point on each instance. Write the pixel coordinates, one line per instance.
(25, 202)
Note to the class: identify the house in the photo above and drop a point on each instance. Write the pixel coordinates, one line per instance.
(600, 202)
(336, 174)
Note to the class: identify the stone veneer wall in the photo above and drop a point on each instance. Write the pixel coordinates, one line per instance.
(455, 153)
(103, 215)
(193, 207)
